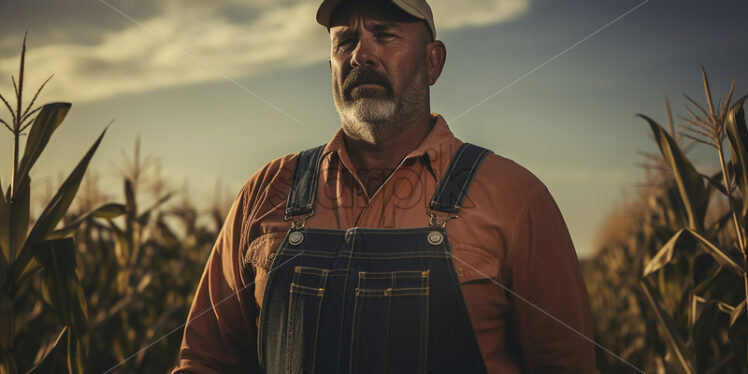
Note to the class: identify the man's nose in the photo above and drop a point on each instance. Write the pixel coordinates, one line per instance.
(363, 54)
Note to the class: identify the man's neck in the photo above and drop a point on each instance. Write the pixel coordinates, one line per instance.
(374, 162)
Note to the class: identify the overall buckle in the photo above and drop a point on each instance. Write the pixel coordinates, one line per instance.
(298, 224)
(436, 220)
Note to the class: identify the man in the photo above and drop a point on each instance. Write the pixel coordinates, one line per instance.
(395, 247)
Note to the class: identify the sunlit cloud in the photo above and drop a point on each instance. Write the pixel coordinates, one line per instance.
(450, 14)
(193, 41)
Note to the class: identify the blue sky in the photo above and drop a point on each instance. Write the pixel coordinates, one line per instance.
(197, 93)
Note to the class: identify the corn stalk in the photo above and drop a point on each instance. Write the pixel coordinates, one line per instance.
(39, 263)
(691, 278)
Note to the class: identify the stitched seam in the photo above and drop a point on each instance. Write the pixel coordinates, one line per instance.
(383, 258)
(315, 176)
(462, 188)
(473, 172)
(477, 250)
(323, 286)
(448, 175)
(294, 184)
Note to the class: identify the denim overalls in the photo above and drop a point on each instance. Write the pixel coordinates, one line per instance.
(369, 300)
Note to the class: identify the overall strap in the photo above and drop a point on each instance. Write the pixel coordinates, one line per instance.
(454, 185)
(304, 183)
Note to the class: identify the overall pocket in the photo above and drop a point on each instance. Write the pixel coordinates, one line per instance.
(302, 328)
(390, 322)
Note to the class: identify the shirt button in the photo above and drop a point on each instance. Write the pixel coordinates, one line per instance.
(460, 272)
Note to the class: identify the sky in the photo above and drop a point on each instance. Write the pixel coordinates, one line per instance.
(216, 89)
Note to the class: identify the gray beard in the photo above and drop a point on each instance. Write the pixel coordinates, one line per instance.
(378, 120)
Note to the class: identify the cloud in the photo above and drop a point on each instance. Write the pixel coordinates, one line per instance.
(65, 21)
(450, 14)
(193, 41)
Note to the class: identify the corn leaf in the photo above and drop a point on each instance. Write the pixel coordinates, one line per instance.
(712, 279)
(672, 336)
(108, 211)
(719, 255)
(702, 333)
(60, 286)
(61, 289)
(664, 255)
(6, 329)
(4, 227)
(132, 207)
(737, 312)
(19, 217)
(738, 335)
(48, 346)
(77, 352)
(687, 238)
(690, 185)
(3, 269)
(132, 226)
(121, 245)
(715, 182)
(56, 209)
(46, 122)
(737, 135)
(7, 363)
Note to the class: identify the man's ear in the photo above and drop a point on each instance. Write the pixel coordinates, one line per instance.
(436, 55)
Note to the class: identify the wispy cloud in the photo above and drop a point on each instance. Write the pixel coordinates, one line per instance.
(450, 14)
(236, 38)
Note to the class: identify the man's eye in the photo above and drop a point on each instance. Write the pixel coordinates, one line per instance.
(345, 42)
(385, 35)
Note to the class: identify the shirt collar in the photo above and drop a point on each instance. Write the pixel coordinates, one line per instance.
(436, 145)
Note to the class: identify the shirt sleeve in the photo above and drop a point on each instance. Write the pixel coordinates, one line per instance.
(550, 305)
(220, 333)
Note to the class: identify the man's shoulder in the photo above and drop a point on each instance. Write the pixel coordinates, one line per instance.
(505, 187)
(508, 177)
(275, 175)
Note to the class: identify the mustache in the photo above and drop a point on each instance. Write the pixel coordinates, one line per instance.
(365, 74)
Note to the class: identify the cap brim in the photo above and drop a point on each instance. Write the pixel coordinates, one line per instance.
(324, 13)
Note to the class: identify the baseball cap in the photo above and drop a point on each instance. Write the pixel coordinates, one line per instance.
(416, 8)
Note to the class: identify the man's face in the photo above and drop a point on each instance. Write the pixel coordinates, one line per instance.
(378, 66)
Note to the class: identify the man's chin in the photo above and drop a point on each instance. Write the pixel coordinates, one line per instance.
(369, 110)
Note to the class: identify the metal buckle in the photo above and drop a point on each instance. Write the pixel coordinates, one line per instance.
(436, 220)
(295, 225)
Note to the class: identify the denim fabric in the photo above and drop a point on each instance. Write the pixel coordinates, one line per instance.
(368, 300)
(304, 182)
(452, 189)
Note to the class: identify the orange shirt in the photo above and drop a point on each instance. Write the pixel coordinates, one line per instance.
(513, 254)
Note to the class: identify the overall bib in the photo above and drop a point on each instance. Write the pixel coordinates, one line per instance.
(368, 300)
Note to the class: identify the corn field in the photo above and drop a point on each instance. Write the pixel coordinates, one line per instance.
(101, 282)
(87, 286)
(668, 282)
